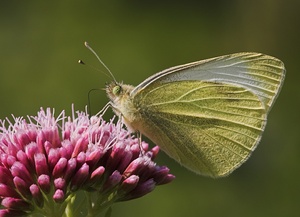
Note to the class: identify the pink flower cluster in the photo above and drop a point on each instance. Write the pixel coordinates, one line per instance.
(45, 160)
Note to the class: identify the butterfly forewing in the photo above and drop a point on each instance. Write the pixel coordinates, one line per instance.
(261, 74)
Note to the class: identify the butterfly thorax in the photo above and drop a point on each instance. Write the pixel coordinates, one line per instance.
(122, 103)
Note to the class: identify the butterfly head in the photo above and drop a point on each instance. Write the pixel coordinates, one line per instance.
(121, 101)
(116, 92)
(113, 90)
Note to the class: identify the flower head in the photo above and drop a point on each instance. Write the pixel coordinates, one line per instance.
(47, 162)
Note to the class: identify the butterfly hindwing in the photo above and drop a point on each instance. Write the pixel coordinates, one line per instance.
(209, 127)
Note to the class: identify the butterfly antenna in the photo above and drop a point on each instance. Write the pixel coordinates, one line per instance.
(91, 49)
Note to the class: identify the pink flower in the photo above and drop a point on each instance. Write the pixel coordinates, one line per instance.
(46, 163)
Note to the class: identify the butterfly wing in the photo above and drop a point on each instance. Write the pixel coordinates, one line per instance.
(261, 74)
(209, 123)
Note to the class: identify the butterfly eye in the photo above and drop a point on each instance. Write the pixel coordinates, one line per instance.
(116, 90)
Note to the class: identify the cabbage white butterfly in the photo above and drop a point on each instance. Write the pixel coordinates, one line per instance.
(208, 115)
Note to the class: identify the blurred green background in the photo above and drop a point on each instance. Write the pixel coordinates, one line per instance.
(40, 43)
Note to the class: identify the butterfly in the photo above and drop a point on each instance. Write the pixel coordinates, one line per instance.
(208, 115)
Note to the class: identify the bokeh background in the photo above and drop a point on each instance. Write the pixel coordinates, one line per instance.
(40, 43)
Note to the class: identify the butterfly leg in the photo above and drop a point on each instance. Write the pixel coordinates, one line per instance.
(142, 151)
(104, 109)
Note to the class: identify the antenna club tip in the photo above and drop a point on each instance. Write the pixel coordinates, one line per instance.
(86, 44)
(81, 62)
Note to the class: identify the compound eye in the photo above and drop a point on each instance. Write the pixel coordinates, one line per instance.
(116, 90)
